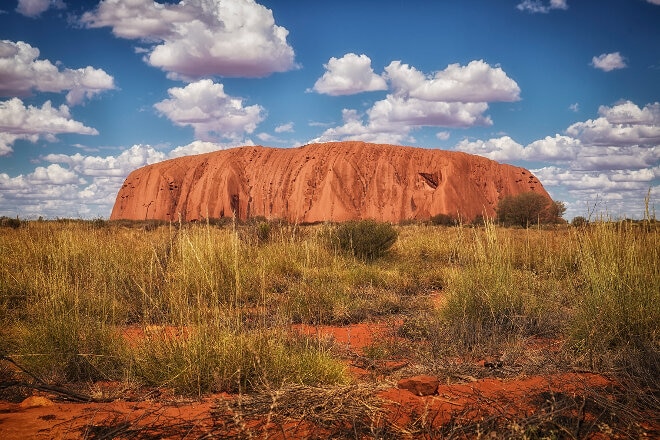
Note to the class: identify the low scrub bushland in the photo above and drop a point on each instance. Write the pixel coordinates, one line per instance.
(69, 291)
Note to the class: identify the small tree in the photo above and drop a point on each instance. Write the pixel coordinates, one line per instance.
(529, 208)
(555, 211)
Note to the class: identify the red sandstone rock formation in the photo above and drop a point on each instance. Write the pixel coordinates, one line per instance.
(321, 182)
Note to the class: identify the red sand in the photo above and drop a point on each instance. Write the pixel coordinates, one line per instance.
(58, 420)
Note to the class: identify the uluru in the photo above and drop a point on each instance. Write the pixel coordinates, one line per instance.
(335, 181)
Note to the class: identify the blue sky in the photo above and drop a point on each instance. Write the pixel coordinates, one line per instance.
(90, 90)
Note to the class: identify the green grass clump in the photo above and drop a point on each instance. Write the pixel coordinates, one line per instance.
(111, 274)
(327, 299)
(489, 299)
(214, 359)
(617, 310)
(68, 348)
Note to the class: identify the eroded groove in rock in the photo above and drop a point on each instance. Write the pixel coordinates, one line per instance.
(431, 179)
(334, 181)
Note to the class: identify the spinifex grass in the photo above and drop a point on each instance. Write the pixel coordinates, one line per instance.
(209, 358)
(110, 274)
(219, 292)
(488, 298)
(65, 286)
(68, 289)
(617, 310)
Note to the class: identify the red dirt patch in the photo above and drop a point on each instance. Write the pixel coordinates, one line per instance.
(485, 397)
(177, 419)
(99, 420)
(354, 337)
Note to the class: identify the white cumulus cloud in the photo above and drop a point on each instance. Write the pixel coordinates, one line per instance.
(108, 166)
(500, 149)
(592, 158)
(627, 112)
(476, 82)
(614, 158)
(17, 119)
(33, 123)
(609, 61)
(7, 141)
(73, 185)
(413, 112)
(284, 128)
(609, 193)
(622, 124)
(625, 135)
(349, 75)
(54, 174)
(204, 106)
(121, 165)
(201, 147)
(353, 128)
(21, 73)
(197, 38)
(555, 149)
(34, 8)
(443, 135)
(455, 97)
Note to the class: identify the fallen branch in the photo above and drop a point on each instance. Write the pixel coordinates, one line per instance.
(40, 385)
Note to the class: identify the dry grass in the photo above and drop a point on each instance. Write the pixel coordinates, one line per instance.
(68, 291)
(351, 411)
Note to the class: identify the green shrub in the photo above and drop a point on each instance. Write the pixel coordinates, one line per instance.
(365, 239)
(527, 209)
(444, 220)
(256, 230)
(478, 221)
(100, 223)
(262, 231)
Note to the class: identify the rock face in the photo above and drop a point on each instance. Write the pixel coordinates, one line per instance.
(321, 182)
